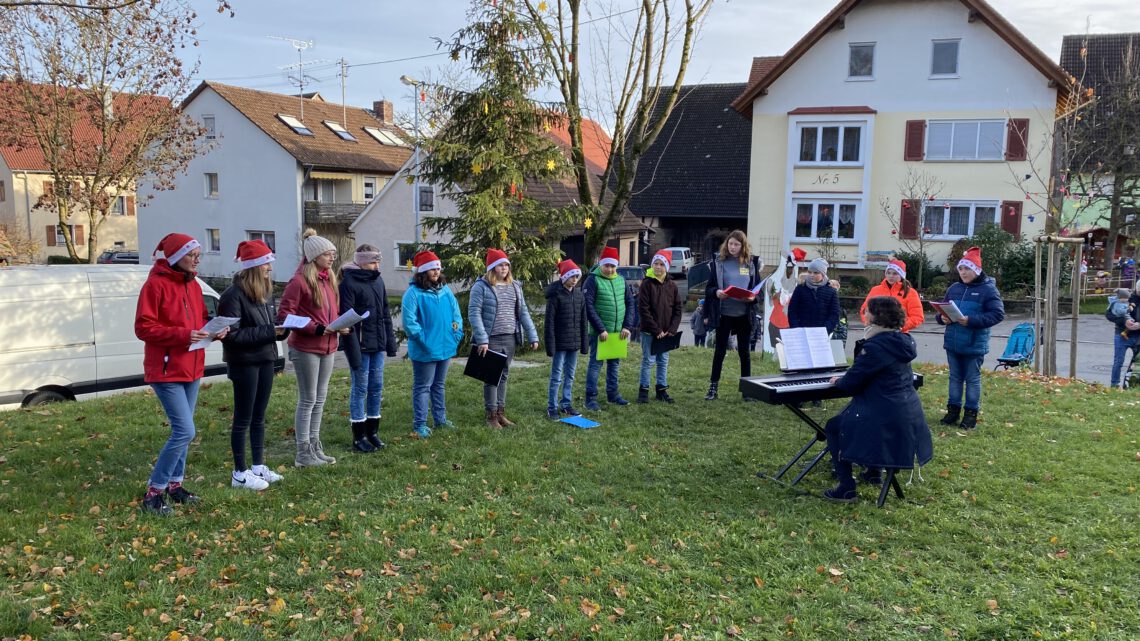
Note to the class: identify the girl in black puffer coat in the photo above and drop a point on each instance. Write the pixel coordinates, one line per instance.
(362, 289)
(564, 334)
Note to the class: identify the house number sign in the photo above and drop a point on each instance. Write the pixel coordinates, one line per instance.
(826, 179)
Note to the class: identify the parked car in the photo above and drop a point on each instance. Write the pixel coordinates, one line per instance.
(633, 275)
(681, 260)
(118, 257)
(69, 332)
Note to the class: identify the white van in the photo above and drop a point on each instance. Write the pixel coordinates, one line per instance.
(67, 332)
(681, 260)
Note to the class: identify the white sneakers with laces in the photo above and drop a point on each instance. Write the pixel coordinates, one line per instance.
(247, 480)
(264, 473)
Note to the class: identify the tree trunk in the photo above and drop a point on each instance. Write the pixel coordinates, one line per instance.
(1115, 220)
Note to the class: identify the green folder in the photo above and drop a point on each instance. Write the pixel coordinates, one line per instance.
(613, 347)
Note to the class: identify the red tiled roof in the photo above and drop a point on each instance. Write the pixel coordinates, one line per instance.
(324, 149)
(761, 65)
(979, 10)
(595, 143)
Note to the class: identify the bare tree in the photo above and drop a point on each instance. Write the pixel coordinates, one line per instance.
(97, 92)
(223, 5)
(911, 218)
(646, 53)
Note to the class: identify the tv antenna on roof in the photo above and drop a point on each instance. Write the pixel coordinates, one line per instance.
(300, 46)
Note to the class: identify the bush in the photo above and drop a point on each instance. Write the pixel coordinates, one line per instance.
(917, 263)
(857, 286)
(64, 260)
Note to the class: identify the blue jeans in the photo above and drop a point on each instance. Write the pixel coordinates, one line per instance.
(1120, 345)
(178, 401)
(595, 368)
(647, 361)
(965, 369)
(428, 378)
(367, 387)
(562, 369)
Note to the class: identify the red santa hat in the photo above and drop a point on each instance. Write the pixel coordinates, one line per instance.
(610, 257)
(796, 255)
(496, 257)
(426, 260)
(174, 247)
(972, 258)
(898, 267)
(568, 269)
(252, 253)
(662, 257)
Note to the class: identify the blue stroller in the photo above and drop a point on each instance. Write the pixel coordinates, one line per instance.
(1019, 348)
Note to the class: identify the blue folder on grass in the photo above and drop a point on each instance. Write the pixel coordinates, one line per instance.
(580, 421)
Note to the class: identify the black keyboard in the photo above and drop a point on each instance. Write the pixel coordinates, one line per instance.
(797, 388)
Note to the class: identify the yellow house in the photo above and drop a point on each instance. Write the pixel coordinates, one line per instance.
(890, 121)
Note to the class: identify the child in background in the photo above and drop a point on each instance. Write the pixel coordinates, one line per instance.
(840, 333)
(565, 335)
(1118, 308)
(661, 307)
(698, 325)
(757, 332)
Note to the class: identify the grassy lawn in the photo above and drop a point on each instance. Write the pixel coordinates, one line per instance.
(652, 526)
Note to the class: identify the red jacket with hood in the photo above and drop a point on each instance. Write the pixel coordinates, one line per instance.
(170, 307)
(298, 300)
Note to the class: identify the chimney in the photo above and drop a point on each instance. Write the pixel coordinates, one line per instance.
(384, 111)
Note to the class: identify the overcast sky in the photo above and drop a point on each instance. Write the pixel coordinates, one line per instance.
(238, 50)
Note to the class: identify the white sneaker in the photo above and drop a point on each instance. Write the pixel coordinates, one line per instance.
(248, 480)
(264, 473)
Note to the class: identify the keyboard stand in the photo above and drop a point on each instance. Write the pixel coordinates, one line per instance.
(819, 437)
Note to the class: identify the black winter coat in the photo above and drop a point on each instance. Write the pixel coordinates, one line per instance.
(565, 324)
(253, 339)
(883, 425)
(712, 303)
(363, 290)
(814, 307)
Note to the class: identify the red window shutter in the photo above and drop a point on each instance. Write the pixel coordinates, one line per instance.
(908, 219)
(77, 235)
(49, 187)
(1011, 216)
(914, 148)
(130, 206)
(1016, 138)
(50, 239)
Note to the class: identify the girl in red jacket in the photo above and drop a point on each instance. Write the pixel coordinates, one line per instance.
(312, 292)
(168, 318)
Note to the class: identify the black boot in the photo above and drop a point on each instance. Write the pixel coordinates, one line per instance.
(372, 433)
(643, 395)
(969, 419)
(952, 413)
(663, 395)
(359, 443)
(711, 395)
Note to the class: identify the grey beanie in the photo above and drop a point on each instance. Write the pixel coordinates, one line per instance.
(315, 245)
(1123, 292)
(818, 265)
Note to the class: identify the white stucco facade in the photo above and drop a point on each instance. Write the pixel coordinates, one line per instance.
(994, 82)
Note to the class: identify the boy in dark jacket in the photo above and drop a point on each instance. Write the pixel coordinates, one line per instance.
(968, 340)
(564, 334)
(661, 309)
(814, 303)
(883, 425)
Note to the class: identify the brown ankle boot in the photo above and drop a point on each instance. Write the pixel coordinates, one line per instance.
(503, 420)
(493, 419)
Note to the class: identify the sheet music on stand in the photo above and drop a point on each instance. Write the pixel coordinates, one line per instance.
(806, 348)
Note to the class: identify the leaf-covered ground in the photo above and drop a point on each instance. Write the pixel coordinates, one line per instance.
(652, 526)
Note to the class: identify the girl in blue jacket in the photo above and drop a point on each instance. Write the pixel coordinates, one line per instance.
(968, 339)
(434, 328)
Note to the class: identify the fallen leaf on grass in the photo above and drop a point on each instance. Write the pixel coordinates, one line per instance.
(277, 606)
(589, 608)
(992, 604)
(732, 631)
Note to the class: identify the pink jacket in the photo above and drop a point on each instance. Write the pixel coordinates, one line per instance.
(298, 300)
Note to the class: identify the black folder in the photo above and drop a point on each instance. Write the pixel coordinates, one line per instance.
(487, 368)
(666, 344)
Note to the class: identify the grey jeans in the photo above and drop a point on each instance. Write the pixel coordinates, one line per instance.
(495, 396)
(313, 374)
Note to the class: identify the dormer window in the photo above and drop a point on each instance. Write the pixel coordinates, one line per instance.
(861, 61)
(339, 130)
(296, 125)
(385, 137)
(944, 59)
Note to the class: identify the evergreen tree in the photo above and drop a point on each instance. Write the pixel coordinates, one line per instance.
(492, 154)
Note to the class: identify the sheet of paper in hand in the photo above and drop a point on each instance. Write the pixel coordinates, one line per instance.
(216, 324)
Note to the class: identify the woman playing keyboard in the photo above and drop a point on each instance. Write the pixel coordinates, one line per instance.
(883, 425)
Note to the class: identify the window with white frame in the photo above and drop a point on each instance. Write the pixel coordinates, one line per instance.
(59, 238)
(208, 125)
(427, 198)
(830, 143)
(385, 137)
(369, 187)
(825, 219)
(339, 130)
(861, 61)
(268, 237)
(211, 185)
(944, 58)
(3, 192)
(957, 218)
(404, 254)
(213, 240)
(296, 125)
(119, 206)
(965, 140)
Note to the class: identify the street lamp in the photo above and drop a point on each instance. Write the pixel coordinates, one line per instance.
(415, 85)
